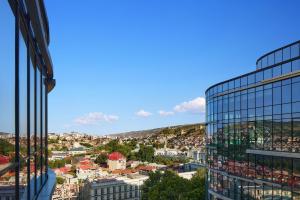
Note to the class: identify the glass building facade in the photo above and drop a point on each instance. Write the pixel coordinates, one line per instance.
(253, 130)
(26, 78)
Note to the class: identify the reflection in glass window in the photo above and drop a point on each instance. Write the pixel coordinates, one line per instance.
(7, 93)
(271, 59)
(23, 112)
(278, 56)
(258, 76)
(296, 65)
(259, 98)
(268, 74)
(296, 92)
(286, 94)
(277, 95)
(264, 62)
(295, 50)
(286, 53)
(268, 97)
(296, 136)
(277, 71)
(286, 68)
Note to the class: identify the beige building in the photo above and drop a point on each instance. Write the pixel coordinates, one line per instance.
(116, 161)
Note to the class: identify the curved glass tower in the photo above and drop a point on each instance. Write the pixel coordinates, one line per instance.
(253, 130)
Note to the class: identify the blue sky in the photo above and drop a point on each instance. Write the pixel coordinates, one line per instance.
(125, 65)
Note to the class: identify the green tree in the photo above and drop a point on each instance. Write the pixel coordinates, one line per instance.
(146, 153)
(60, 180)
(169, 185)
(101, 159)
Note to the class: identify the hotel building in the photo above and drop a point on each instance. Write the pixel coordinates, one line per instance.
(253, 130)
(26, 78)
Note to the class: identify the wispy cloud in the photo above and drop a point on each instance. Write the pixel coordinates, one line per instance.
(95, 118)
(143, 113)
(165, 113)
(196, 105)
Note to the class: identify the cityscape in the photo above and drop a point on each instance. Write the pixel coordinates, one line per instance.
(149, 100)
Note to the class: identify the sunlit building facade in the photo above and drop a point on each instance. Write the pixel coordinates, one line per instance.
(26, 78)
(253, 130)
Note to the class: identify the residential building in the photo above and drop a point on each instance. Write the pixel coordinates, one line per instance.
(117, 188)
(116, 161)
(253, 130)
(26, 75)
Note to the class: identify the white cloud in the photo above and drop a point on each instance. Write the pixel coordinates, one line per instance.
(94, 118)
(165, 113)
(193, 106)
(143, 113)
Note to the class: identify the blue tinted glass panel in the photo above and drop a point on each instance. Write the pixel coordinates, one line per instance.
(264, 62)
(296, 92)
(267, 97)
(286, 53)
(259, 76)
(244, 81)
(251, 79)
(286, 94)
(296, 65)
(277, 95)
(271, 59)
(286, 68)
(296, 107)
(295, 50)
(277, 71)
(278, 56)
(268, 74)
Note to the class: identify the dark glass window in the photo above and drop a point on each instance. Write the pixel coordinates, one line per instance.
(278, 56)
(286, 53)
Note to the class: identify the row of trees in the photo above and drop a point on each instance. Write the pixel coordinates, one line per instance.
(169, 185)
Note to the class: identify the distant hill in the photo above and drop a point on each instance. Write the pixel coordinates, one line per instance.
(179, 129)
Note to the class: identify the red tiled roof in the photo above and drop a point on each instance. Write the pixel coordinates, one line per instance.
(86, 167)
(146, 168)
(123, 171)
(116, 156)
(4, 159)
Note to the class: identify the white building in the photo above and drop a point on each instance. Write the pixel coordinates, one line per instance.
(117, 188)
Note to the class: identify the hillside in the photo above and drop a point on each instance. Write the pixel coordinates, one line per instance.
(175, 136)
